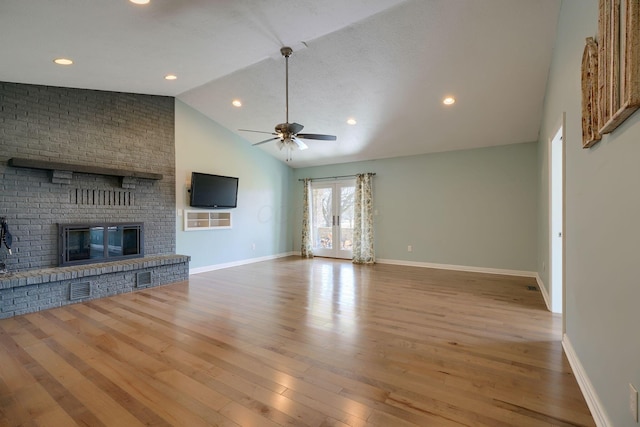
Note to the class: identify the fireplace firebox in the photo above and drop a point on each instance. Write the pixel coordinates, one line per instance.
(93, 243)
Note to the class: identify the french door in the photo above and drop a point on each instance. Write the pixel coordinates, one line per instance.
(332, 217)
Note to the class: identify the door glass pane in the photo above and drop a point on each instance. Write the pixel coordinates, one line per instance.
(97, 242)
(346, 217)
(322, 218)
(131, 240)
(124, 240)
(78, 244)
(114, 235)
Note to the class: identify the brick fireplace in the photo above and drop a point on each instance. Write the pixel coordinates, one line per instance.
(101, 148)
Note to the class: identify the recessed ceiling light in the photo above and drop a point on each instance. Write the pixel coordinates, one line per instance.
(63, 61)
(140, 1)
(352, 121)
(170, 77)
(236, 103)
(449, 100)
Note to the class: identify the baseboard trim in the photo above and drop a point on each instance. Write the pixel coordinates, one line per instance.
(459, 268)
(589, 393)
(199, 270)
(545, 293)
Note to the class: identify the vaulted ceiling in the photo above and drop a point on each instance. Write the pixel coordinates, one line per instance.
(386, 63)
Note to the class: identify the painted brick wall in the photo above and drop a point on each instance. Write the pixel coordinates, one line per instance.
(108, 129)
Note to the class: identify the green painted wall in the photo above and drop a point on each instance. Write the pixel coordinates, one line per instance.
(472, 208)
(262, 215)
(602, 234)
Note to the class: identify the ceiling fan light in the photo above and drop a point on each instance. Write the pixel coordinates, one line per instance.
(351, 121)
(236, 103)
(449, 100)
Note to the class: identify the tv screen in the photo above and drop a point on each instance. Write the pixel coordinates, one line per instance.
(213, 191)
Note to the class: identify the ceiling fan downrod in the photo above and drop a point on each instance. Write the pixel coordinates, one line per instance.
(286, 52)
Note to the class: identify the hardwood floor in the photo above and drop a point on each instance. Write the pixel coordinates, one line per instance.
(296, 342)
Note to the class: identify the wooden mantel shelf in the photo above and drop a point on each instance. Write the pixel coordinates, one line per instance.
(65, 167)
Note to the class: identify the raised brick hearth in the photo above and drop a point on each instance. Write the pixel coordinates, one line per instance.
(40, 289)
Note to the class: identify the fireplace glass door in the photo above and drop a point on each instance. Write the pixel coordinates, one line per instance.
(123, 241)
(84, 244)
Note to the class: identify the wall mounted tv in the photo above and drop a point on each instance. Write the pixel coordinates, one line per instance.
(213, 191)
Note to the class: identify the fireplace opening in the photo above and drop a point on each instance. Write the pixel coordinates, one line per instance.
(92, 243)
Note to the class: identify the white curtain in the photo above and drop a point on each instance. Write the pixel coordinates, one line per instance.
(363, 220)
(307, 239)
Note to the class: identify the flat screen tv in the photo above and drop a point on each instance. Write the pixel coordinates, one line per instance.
(213, 191)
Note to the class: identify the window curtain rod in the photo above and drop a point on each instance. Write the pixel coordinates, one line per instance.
(333, 177)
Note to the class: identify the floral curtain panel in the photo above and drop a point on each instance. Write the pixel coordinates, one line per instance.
(307, 241)
(363, 220)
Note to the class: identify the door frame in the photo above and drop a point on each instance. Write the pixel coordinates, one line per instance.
(555, 294)
(336, 186)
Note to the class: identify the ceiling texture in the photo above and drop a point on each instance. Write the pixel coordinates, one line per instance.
(386, 63)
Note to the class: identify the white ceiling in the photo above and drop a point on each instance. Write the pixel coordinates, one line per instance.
(387, 63)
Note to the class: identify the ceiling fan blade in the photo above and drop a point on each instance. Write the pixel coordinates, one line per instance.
(317, 136)
(301, 145)
(256, 131)
(266, 140)
(295, 128)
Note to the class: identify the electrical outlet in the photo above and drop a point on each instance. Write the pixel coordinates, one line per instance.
(409, 248)
(544, 266)
(253, 246)
(633, 402)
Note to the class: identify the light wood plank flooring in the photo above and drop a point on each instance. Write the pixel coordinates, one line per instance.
(295, 342)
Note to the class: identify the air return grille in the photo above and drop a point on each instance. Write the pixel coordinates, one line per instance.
(79, 290)
(143, 279)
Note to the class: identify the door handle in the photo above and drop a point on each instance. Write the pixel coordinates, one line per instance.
(338, 221)
(333, 221)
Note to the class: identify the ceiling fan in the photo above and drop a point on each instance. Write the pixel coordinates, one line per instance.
(286, 133)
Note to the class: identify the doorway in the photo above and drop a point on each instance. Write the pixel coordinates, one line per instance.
(332, 215)
(556, 220)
